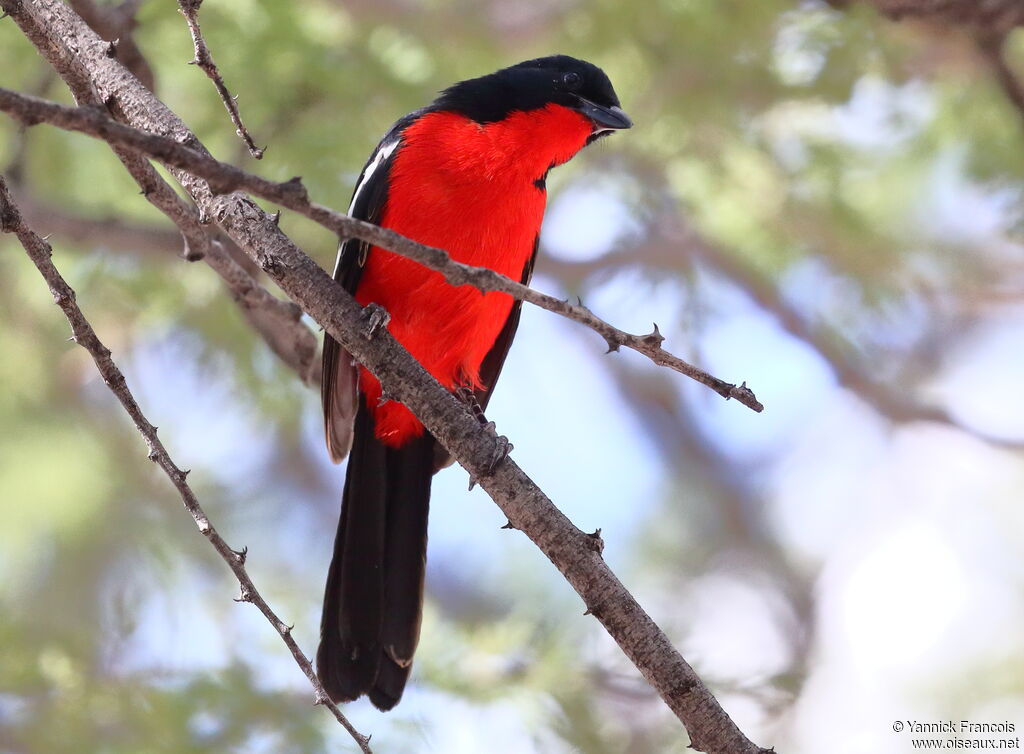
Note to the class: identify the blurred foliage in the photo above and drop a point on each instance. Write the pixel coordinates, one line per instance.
(854, 181)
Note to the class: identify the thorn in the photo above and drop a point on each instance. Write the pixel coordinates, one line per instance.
(245, 596)
(240, 555)
(655, 338)
(509, 525)
(579, 301)
(284, 628)
(276, 218)
(612, 346)
(111, 50)
(595, 542)
(193, 61)
(472, 483)
(295, 185)
(587, 612)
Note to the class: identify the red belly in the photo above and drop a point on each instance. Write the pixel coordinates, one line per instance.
(437, 197)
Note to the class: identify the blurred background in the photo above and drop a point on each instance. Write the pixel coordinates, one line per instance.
(823, 200)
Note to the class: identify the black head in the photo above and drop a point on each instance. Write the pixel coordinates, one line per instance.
(533, 84)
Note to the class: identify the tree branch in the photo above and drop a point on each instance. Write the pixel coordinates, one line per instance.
(116, 25)
(203, 59)
(40, 252)
(224, 178)
(109, 232)
(63, 38)
(277, 322)
(673, 235)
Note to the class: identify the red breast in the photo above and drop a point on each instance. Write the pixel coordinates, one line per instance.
(475, 190)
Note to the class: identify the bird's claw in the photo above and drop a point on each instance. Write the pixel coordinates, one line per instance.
(502, 448)
(375, 316)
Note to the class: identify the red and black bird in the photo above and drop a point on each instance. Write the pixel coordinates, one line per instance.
(466, 174)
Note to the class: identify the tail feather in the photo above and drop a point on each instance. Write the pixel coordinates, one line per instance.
(374, 596)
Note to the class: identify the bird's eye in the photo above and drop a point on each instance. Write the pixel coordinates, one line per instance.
(571, 81)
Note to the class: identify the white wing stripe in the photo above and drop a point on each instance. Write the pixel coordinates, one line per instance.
(382, 154)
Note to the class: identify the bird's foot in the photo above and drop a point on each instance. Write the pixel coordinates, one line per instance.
(468, 397)
(375, 317)
(502, 446)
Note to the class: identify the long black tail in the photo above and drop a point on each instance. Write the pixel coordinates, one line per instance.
(374, 598)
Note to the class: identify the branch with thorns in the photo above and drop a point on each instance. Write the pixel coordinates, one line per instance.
(203, 59)
(40, 252)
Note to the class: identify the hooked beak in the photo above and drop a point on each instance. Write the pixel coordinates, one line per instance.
(604, 118)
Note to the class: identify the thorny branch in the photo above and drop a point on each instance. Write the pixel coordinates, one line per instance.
(278, 322)
(224, 178)
(203, 59)
(897, 405)
(115, 24)
(77, 52)
(40, 253)
(106, 231)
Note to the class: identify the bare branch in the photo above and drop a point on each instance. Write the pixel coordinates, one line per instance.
(64, 296)
(224, 178)
(278, 322)
(203, 59)
(674, 238)
(115, 24)
(107, 232)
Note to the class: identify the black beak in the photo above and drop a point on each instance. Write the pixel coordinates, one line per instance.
(604, 117)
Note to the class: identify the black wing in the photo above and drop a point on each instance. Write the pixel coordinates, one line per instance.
(338, 384)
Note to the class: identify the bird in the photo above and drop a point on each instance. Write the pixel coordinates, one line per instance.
(467, 174)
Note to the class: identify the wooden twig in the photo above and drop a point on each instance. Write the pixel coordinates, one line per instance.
(203, 59)
(40, 253)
